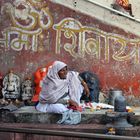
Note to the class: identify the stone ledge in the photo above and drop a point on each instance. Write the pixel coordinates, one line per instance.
(89, 128)
(29, 114)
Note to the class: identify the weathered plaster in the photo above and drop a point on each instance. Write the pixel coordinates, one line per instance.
(47, 31)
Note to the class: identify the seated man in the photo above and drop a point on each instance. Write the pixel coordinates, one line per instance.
(93, 84)
(60, 87)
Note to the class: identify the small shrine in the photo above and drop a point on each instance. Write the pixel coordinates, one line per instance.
(120, 114)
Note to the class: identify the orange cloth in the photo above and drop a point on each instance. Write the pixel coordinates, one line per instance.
(123, 3)
(38, 77)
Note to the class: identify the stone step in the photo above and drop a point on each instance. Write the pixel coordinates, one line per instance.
(85, 128)
(28, 114)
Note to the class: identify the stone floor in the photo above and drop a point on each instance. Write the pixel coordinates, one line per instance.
(95, 121)
(28, 114)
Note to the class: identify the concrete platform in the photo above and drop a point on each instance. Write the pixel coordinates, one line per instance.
(28, 114)
(92, 122)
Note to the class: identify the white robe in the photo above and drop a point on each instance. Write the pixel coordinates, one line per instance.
(53, 88)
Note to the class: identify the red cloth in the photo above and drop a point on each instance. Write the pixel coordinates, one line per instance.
(75, 108)
(38, 76)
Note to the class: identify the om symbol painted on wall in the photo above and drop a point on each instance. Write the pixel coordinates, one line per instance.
(28, 20)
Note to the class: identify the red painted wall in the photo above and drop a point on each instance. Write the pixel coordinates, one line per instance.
(32, 34)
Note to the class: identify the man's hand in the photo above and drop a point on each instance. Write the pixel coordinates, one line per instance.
(86, 89)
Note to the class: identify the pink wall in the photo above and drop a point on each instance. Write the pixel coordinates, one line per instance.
(33, 34)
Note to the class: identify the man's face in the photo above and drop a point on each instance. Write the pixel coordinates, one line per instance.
(63, 73)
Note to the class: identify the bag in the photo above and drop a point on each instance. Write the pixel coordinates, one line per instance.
(70, 117)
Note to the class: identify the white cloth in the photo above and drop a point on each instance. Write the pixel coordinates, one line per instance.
(51, 108)
(54, 88)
